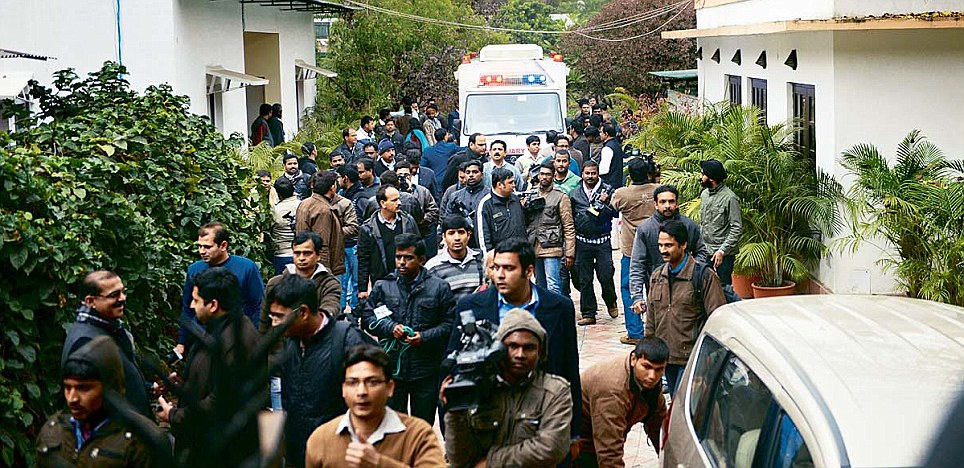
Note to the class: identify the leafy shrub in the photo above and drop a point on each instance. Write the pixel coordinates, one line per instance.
(103, 178)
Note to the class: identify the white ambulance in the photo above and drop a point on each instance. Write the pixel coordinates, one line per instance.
(509, 92)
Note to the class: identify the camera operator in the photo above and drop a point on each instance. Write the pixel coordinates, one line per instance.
(594, 222)
(551, 230)
(465, 201)
(497, 434)
(428, 225)
(410, 310)
(500, 215)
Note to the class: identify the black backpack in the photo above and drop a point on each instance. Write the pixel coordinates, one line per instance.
(728, 292)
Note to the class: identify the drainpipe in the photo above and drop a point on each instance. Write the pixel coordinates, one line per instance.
(120, 53)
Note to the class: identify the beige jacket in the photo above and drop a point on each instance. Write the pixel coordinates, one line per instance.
(635, 205)
(554, 222)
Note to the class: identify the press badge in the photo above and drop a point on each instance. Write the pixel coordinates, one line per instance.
(382, 311)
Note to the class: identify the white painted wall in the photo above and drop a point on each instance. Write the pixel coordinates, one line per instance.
(762, 11)
(879, 7)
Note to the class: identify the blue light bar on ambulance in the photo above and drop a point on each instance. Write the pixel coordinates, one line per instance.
(528, 79)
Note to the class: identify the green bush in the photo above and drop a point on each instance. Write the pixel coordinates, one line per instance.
(103, 177)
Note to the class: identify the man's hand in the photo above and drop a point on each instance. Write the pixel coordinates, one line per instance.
(179, 349)
(361, 454)
(717, 259)
(441, 392)
(363, 295)
(569, 261)
(415, 340)
(398, 332)
(164, 414)
(575, 448)
(604, 197)
(639, 307)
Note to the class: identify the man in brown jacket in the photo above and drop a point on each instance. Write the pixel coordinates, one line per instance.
(618, 394)
(674, 312)
(526, 420)
(371, 433)
(317, 213)
(551, 231)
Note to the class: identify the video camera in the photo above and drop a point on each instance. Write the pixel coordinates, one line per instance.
(475, 364)
(596, 205)
(534, 201)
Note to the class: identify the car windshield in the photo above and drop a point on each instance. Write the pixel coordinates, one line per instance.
(492, 114)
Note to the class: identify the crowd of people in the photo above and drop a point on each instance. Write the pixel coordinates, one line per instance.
(389, 266)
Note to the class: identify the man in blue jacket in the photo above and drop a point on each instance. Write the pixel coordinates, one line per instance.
(513, 267)
(436, 157)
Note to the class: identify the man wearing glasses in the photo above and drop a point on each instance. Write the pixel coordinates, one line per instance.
(100, 314)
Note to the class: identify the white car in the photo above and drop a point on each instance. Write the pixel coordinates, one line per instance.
(823, 380)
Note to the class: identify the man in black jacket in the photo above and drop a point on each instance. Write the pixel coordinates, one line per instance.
(500, 215)
(411, 312)
(476, 151)
(465, 201)
(314, 349)
(611, 158)
(513, 267)
(594, 252)
(376, 241)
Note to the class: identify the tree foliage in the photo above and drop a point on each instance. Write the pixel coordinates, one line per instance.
(607, 65)
(103, 178)
(532, 15)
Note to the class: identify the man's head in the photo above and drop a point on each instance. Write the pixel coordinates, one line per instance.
(560, 161)
(337, 160)
(546, 173)
(514, 264)
(473, 172)
(390, 126)
(308, 150)
(525, 342)
(592, 134)
(584, 107)
(666, 197)
(306, 252)
(404, 170)
(608, 132)
(596, 110)
(212, 243)
(389, 178)
(296, 295)
(409, 255)
(217, 292)
(388, 200)
(431, 111)
(497, 151)
(276, 110)
(104, 292)
(639, 170)
(672, 241)
(371, 150)
(347, 176)
(350, 136)
(533, 145)
(368, 383)
(325, 183)
(440, 135)
(366, 171)
(503, 182)
(290, 161)
(265, 177)
(590, 173)
(648, 361)
(456, 232)
(561, 142)
(477, 144)
(577, 127)
(367, 123)
(712, 173)
(284, 188)
(88, 374)
(384, 114)
(264, 110)
(386, 150)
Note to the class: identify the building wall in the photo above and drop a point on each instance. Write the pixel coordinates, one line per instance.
(760, 11)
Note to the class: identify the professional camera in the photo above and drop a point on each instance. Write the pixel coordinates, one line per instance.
(475, 364)
(405, 184)
(596, 206)
(534, 201)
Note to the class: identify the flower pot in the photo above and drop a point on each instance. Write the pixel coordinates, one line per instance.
(743, 285)
(788, 289)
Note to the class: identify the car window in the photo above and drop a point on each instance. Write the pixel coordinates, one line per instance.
(736, 414)
(792, 451)
(707, 367)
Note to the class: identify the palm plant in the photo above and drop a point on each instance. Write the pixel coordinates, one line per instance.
(915, 207)
(787, 205)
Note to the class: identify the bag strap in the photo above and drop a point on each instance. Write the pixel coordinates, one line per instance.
(338, 342)
(697, 281)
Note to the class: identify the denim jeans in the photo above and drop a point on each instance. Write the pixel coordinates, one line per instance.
(634, 321)
(275, 393)
(349, 279)
(547, 273)
(280, 262)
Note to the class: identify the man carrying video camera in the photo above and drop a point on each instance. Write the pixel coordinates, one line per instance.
(594, 253)
(525, 420)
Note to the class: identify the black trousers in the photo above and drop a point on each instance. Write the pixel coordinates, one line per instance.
(592, 258)
(421, 394)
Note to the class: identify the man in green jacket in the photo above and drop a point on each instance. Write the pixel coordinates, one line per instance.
(719, 219)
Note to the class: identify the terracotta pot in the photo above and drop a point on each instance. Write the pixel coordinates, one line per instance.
(742, 284)
(788, 289)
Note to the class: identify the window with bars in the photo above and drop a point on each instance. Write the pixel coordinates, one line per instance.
(804, 111)
(734, 90)
(758, 97)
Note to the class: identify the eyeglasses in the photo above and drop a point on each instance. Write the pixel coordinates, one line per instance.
(370, 382)
(114, 295)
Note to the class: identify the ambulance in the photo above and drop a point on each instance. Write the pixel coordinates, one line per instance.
(509, 92)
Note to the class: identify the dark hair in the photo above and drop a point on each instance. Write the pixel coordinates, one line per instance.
(389, 178)
(665, 188)
(293, 291)
(578, 126)
(288, 155)
(639, 170)
(367, 163)
(404, 241)
(455, 222)
(440, 134)
(383, 113)
(548, 165)
(371, 354)
(215, 227)
(562, 152)
(348, 171)
(602, 105)
(324, 181)
(382, 193)
(532, 139)
(80, 370)
(413, 156)
(366, 145)
(91, 284)
(304, 236)
(609, 130)
(582, 102)
(653, 349)
(307, 148)
(415, 124)
(404, 164)
(590, 163)
(264, 109)
(499, 142)
(411, 145)
(219, 284)
(345, 132)
(473, 137)
(431, 106)
(521, 246)
(591, 131)
(562, 136)
(366, 120)
(595, 120)
(284, 187)
(676, 230)
(471, 162)
(501, 174)
(551, 136)
(596, 107)
(276, 108)
(263, 172)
